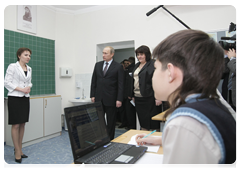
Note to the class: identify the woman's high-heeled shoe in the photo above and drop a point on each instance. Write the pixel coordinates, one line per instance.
(22, 156)
(18, 160)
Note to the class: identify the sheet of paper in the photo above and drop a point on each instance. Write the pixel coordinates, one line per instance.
(132, 102)
(150, 158)
(150, 147)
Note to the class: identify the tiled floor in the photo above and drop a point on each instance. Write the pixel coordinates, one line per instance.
(53, 151)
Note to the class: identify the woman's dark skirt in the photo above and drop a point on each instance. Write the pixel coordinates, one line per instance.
(18, 110)
(146, 108)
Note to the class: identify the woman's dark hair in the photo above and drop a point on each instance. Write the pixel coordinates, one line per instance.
(201, 60)
(21, 50)
(144, 50)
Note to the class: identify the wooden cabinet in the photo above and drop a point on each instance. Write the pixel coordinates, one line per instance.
(44, 120)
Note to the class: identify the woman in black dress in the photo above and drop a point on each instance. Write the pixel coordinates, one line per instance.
(18, 83)
(142, 92)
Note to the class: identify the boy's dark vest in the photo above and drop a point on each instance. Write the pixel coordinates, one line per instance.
(219, 121)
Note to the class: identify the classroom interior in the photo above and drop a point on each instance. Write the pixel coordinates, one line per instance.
(73, 40)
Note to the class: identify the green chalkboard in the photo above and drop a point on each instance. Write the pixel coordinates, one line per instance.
(42, 59)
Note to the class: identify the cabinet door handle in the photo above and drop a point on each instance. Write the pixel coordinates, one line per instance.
(45, 103)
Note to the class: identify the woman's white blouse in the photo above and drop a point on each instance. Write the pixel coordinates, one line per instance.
(15, 77)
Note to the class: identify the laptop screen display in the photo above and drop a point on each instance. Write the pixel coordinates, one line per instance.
(87, 128)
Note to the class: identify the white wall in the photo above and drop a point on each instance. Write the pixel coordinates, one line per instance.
(65, 56)
(122, 23)
(77, 35)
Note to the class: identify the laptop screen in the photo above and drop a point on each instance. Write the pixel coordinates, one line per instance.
(86, 128)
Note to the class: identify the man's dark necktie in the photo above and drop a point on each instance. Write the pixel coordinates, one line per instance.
(105, 69)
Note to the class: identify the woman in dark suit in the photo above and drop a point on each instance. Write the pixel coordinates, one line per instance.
(142, 91)
(18, 83)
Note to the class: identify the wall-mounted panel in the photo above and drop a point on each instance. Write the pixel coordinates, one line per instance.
(42, 59)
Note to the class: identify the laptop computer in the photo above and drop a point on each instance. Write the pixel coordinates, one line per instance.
(90, 141)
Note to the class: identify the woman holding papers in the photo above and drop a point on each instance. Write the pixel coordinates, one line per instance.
(199, 129)
(142, 92)
(18, 83)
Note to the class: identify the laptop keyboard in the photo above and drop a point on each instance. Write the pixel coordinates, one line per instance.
(109, 154)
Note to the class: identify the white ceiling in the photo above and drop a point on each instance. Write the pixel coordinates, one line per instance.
(77, 9)
(73, 7)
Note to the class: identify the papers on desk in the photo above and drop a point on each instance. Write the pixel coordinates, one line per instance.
(150, 147)
(150, 158)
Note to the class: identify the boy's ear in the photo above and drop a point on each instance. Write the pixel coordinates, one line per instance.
(171, 72)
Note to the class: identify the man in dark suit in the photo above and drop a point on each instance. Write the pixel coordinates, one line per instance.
(107, 87)
(232, 78)
(122, 110)
(130, 109)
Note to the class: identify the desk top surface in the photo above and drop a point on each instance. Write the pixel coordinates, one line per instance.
(126, 137)
(159, 116)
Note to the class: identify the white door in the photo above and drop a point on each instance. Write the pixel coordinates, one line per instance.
(52, 115)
